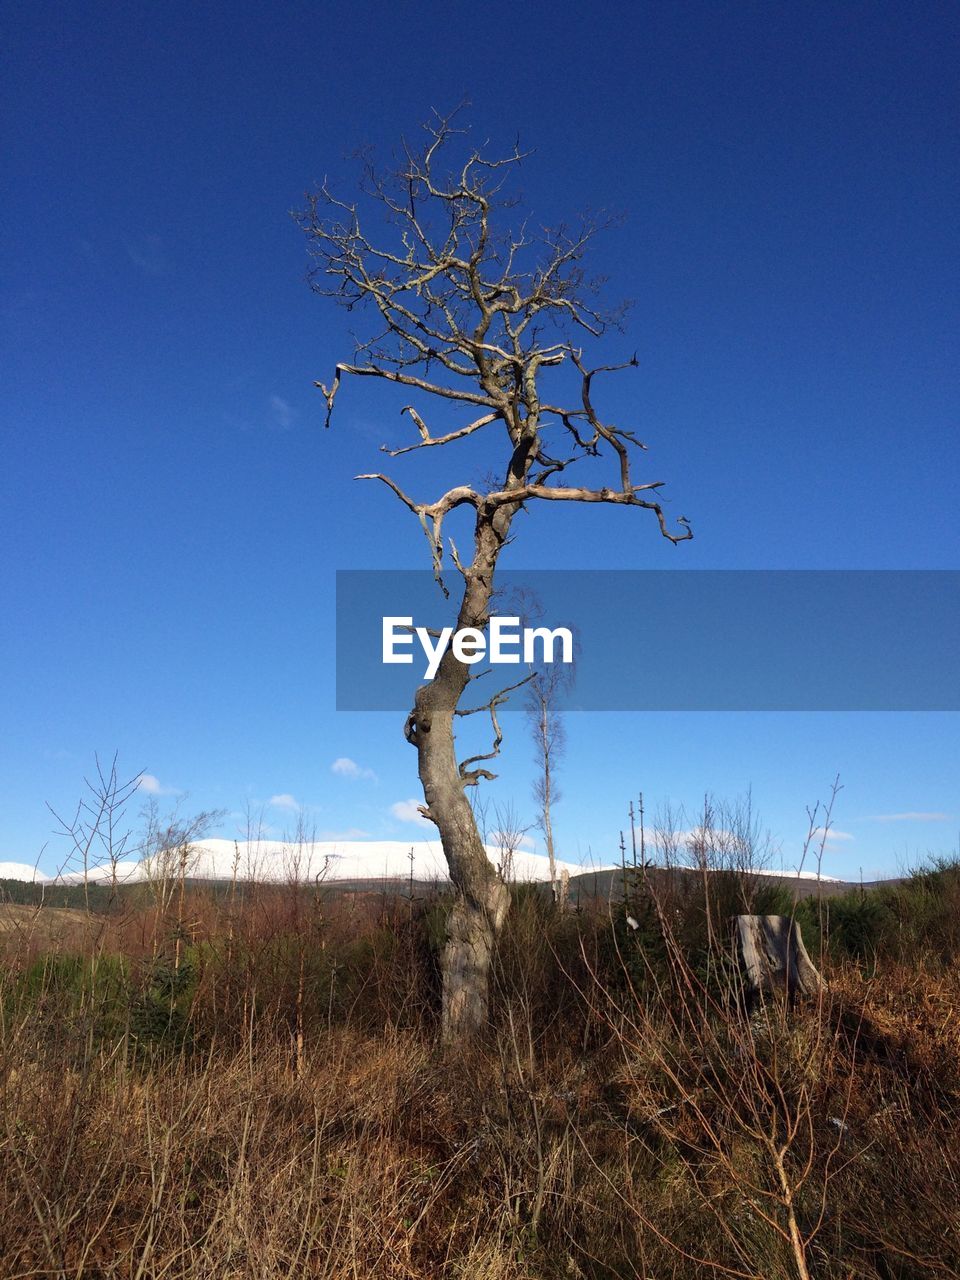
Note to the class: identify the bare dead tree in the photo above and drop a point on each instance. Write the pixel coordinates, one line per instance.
(97, 833)
(471, 315)
(507, 838)
(542, 707)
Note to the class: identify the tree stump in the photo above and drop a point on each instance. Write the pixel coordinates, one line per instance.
(774, 959)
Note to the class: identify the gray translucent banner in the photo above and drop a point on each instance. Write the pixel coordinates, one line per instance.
(699, 640)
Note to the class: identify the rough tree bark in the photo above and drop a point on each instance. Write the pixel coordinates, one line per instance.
(483, 898)
(465, 314)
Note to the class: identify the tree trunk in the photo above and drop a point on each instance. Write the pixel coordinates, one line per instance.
(472, 930)
(547, 823)
(483, 899)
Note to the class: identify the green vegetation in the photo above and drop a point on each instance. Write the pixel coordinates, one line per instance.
(27, 893)
(912, 920)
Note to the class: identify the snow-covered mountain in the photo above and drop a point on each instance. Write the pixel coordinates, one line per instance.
(331, 860)
(277, 860)
(20, 871)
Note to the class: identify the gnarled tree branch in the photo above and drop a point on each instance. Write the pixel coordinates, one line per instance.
(471, 777)
(466, 309)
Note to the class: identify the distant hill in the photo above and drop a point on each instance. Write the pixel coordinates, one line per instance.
(585, 884)
(33, 893)
(608, 882)
(280, 861)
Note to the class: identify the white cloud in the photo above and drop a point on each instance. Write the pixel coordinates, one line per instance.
(409, 811)
(832, 834)
(910, 817)
(344, 767)
(282, 413)
(715, 839)
(351, 833)
(154, 787)
(283, 801)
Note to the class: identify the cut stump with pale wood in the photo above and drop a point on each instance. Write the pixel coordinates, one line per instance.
(774, 959)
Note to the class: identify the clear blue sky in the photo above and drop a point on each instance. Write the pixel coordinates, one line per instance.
(173, 513)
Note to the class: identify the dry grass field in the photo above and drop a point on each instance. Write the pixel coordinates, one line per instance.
(220, 1087)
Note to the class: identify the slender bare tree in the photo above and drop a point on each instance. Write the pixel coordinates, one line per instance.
(471, 315)
(542, 707)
